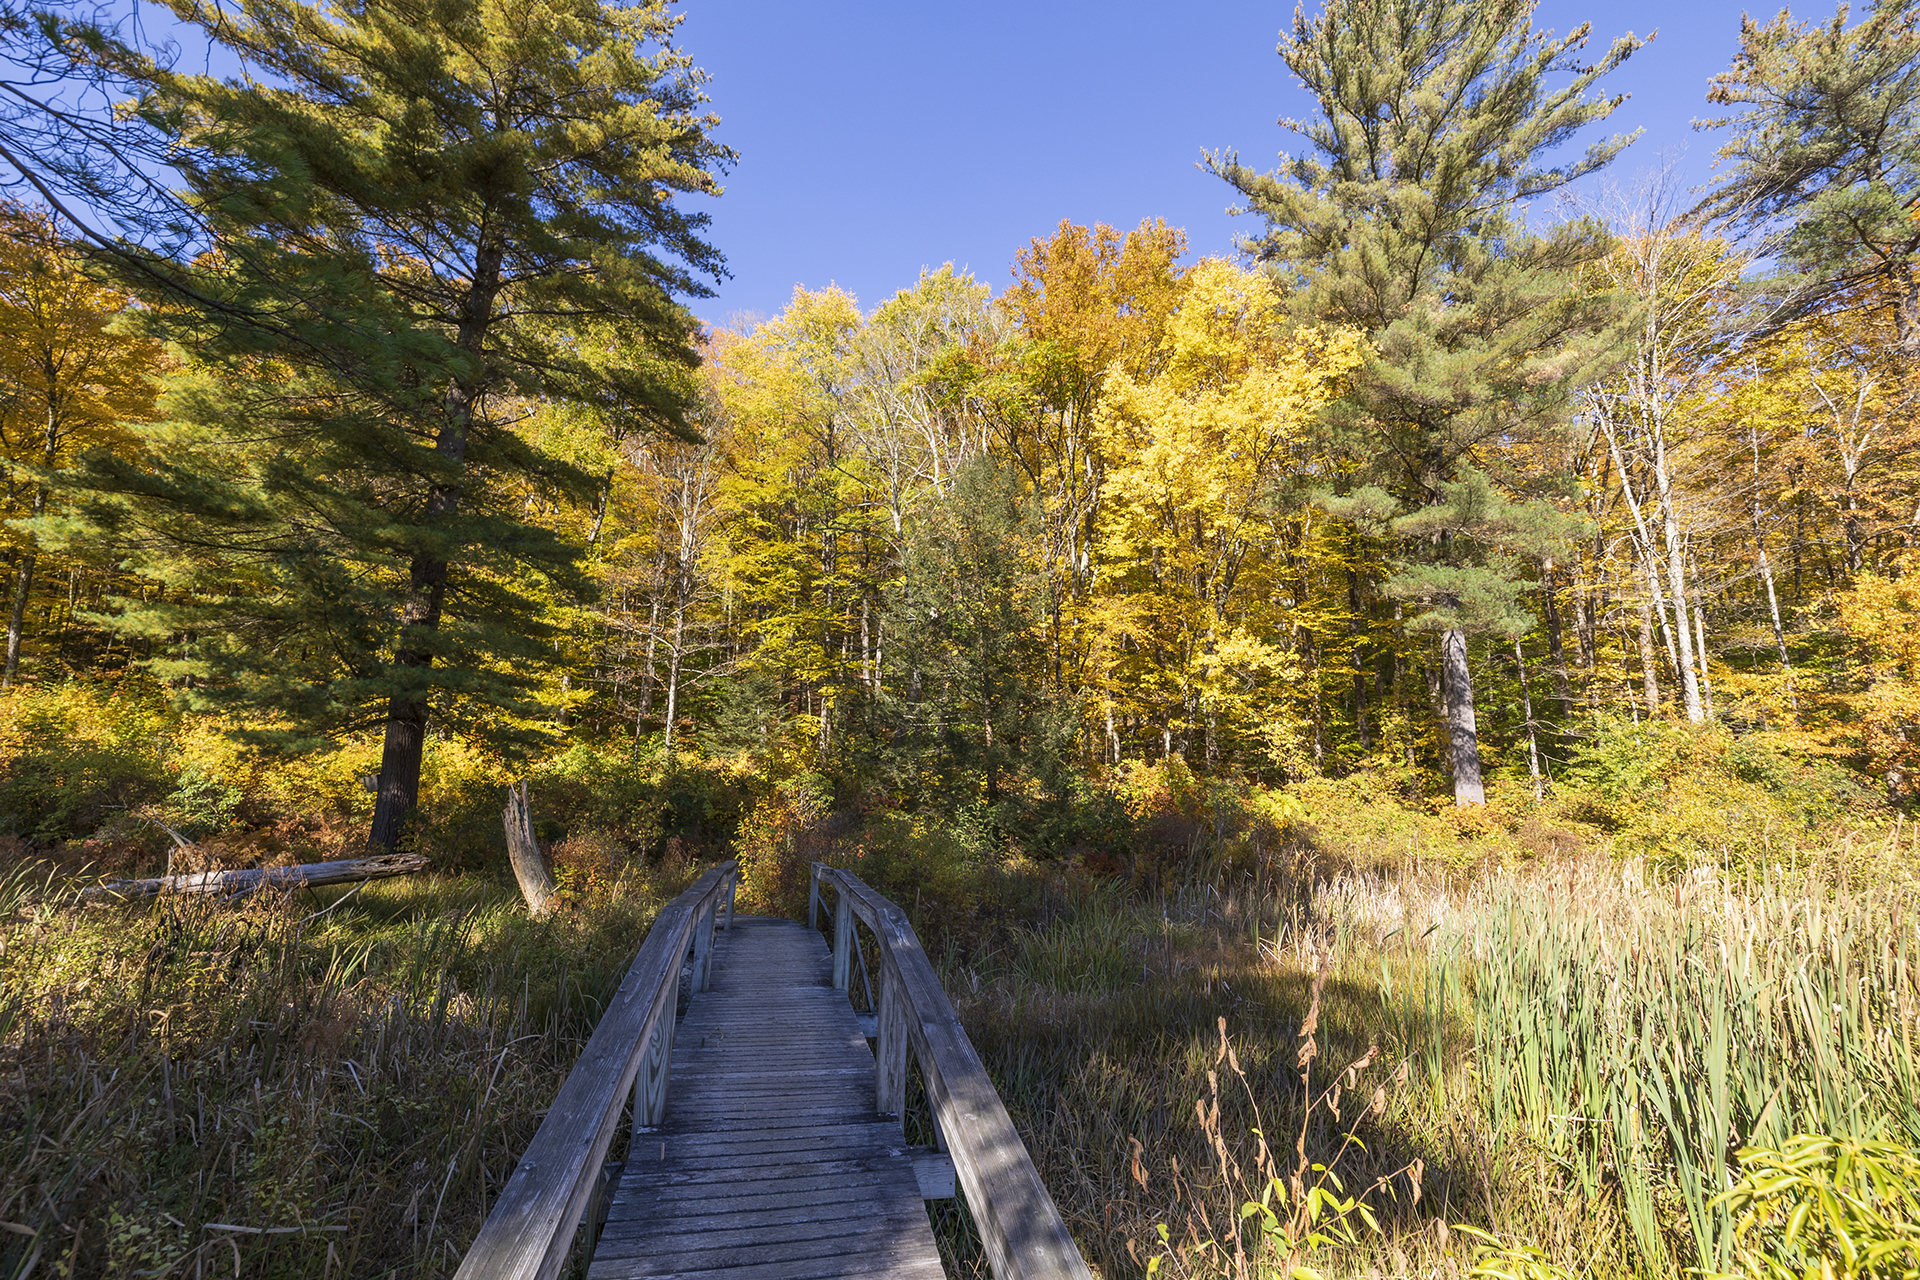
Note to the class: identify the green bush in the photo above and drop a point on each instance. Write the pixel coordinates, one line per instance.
(1819, 1206)
(1676, 792)
(73, 755)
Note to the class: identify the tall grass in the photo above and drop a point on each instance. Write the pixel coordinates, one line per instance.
(289, 1087)
(1586, 1049)
(1566, 1055)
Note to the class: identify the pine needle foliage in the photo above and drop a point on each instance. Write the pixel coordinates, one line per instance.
(409, 219)
(1400, 219)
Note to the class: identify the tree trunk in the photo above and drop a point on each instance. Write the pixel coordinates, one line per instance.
(673, 676)
(427, 575)
(1647, 659)
(1683, 631)
(1766, 574)
(1700, 645)
(523, 851)
(398, 788)
(1358, 634)
(17, 619)
(1562, 687)
(1463, 740)
(1526, 709)
(23, 583)
(646, 666)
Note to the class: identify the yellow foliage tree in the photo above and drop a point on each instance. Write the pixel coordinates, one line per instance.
(1882, 615)
(68, 380)
(1200, 453)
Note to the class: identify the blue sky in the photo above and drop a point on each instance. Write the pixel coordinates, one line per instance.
(880, 136)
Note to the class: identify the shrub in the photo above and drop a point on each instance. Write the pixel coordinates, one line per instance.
(72, 755)
(1820, 1206)
(1675, 792)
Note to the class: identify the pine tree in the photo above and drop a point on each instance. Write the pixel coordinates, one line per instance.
(1826, 156)
(403, 222)
(1400, 220)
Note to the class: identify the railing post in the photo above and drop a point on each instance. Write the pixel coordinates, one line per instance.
(842, 938)
(703, 927)
(733, 883)
(890, 1050)
(813, 898)
(650, 1086)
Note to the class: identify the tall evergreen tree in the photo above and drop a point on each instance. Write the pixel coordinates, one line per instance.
(1826, 156)
(405, 221)
(1400, 220)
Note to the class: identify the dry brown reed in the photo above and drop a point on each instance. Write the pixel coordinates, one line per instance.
(286, 1087)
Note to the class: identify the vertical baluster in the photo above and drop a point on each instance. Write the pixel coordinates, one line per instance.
(703, 945)
(650, 1087)
(890, 1049)
(842, 939)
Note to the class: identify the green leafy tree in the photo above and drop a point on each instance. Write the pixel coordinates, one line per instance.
(401, 227)
(1400, 220)
(962, 697)
(1825, 155)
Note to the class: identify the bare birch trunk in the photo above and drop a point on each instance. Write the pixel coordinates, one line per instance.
(1766, 573)
(1700, 645)
(1647, 659)
(1526, 709)
(673, 679)
(1463, 739)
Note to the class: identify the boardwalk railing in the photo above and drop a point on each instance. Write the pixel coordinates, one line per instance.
(1024, 1235)
(530, 1232)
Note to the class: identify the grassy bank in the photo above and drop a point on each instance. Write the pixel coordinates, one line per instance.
(1566, 1056)
(320, 1085)
(1556, 1023)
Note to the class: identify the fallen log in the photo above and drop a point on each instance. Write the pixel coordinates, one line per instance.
(306, 875)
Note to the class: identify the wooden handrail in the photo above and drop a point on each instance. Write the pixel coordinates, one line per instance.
(1024, 1234)
(530, 1231)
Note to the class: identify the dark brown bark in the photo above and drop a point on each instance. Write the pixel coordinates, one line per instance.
(427, 574)
(1356, 630)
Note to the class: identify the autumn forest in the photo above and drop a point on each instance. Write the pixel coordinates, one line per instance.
(1158, 621)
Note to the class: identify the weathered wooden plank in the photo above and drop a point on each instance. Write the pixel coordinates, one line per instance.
(865, 1187)
(530, 1230)
(788, 1167)
(722, 1194)
(1024, 1235)
(902, 1267)
(690, 1231)
(868, 1242)
(751, 1233)
(934, 1169)
(770, 1159)
(798, 1186)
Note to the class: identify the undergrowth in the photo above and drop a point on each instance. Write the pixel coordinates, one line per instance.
(314, 1086)
(1547, 1038)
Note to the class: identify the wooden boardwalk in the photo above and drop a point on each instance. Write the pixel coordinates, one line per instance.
(772, 1162)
